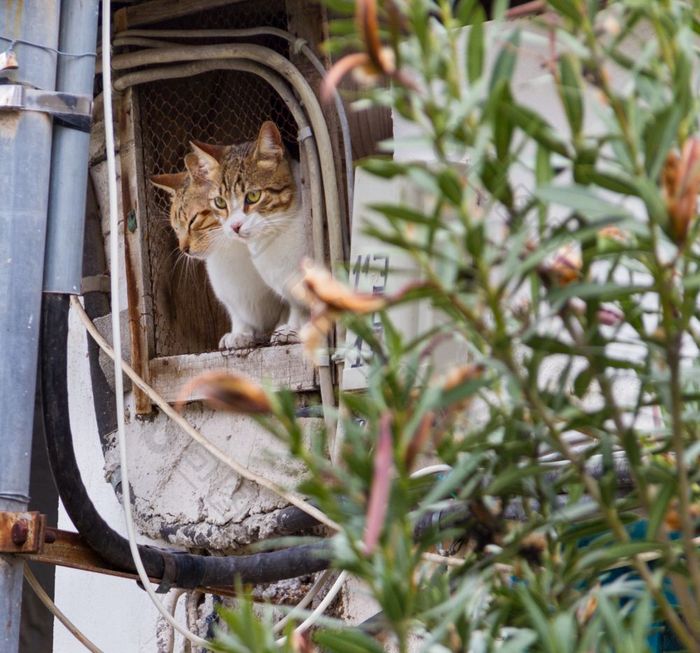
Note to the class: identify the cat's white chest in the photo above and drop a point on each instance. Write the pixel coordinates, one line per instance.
(239, 286)
(278, 259)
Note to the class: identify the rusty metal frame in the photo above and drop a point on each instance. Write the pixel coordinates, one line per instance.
(21, 532)
(26, 534)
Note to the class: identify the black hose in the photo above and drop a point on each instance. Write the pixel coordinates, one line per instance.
(180, 569)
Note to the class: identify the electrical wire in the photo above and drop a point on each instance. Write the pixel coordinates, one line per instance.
(321, 607)
(116, 335)
(56, 612)
(48, 48)
(310, 595)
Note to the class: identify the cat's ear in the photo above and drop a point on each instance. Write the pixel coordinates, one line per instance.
(201, 164)
(269, 149)
(170, 183)
(216, 151)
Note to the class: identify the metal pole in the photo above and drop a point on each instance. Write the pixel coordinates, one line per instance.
(69, 159)
(25, 159)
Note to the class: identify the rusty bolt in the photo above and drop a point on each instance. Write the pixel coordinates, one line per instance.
(49, 537)
(20, 530)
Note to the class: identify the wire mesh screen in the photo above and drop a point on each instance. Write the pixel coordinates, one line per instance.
(220, 106)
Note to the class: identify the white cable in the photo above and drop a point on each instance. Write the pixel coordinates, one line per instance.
(310, 595)
(320, 608)
(431, 469)
(116, 335)
(56, 612)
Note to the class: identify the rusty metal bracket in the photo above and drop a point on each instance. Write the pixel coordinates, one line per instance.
(22, 532)
(70, 110)
(26, 533)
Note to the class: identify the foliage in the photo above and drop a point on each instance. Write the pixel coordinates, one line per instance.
(564, 259)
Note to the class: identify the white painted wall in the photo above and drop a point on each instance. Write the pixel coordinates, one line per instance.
(114, 613)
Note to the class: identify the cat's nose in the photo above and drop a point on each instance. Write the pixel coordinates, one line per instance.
(185, 249)
(236, 226)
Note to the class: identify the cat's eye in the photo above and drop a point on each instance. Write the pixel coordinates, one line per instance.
(219, 202)
(252, 196)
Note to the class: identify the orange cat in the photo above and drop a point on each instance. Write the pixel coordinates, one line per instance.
(254, 308)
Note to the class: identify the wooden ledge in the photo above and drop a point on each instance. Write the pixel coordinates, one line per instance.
(281, 366)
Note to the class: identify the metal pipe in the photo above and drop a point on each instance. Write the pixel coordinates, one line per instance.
(69, 159)
(25, 159)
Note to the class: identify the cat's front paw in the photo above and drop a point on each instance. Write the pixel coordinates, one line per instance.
(285, 335)
(237, 341)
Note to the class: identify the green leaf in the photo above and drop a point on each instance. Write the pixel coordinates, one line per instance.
(511, 478)
(544, 173)
(536, 127)
(613, 182)
(495, 181)
(581, 199)
(403, 213)
(659, 136)
(386, 168)
(451, 186)
(475, 48)
(504, 67)
(571, 91)
(601, 292)
(502, 125)
(347, 641)
(609, 555)
(567, 8)
(658, 508)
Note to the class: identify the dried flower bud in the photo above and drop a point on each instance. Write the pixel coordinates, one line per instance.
(459, 375)
(586, 609)
(612, 25)
(320, 289)
(672, 518)
(228, 391)
(377, 61)
(313, 335)
(612, 239)
(680, 179)
(563, 268)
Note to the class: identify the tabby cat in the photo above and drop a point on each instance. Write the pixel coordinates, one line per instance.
(259, 204)
(254, 308)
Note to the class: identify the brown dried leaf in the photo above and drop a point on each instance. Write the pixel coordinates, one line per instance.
(320, 291)
(227, 391)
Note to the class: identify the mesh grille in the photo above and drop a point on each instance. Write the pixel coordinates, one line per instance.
(220, 106)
